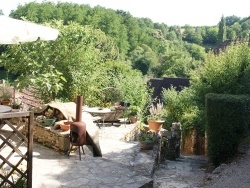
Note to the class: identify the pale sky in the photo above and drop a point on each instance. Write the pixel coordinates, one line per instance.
(170, 12)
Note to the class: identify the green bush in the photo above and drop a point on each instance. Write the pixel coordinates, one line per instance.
(180, 107)
(226, 123)
(225, 73)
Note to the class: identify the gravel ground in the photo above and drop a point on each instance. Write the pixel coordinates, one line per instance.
(233, 175)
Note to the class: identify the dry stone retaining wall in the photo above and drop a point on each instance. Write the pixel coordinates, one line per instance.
(55, 139)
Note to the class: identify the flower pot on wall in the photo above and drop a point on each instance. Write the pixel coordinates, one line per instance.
(7, 102)
(148, 139)
(155, 125)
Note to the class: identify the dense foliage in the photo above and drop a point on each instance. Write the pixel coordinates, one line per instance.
(100, 48)
(148, 46)
(181, 107)
(155, 49)
(82, 61)
(225, 73)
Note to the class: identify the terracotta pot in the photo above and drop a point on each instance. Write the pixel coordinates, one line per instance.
(155, 125)
(5, 102)
(64, 127)
(133, 119)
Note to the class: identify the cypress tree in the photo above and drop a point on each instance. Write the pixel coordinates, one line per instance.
(222, 33)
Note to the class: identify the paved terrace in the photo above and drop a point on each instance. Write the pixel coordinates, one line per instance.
(122, 164)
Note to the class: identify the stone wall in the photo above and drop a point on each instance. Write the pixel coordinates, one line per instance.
(59, 140)
(132, 133)
(56, 139)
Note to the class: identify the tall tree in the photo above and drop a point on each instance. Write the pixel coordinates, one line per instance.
(231, 34)
(132, 27)
(210, 36)
(144, 59)
(79, 55)
(192, 35)
(222, 34)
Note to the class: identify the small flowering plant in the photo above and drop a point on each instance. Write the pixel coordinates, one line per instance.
(148, 137)
(156, 111)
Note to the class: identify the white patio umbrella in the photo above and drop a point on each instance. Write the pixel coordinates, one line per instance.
(13, 31)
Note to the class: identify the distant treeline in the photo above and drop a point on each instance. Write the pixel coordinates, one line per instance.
(154, 48)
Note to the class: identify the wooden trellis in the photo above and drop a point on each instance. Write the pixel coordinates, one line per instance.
(15, 149)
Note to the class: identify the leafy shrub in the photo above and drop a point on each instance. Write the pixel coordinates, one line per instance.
(180, 107)
(82, 61)
(131, 84)
(225, 73)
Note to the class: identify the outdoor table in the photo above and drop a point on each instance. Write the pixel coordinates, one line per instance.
(100, 111)
(104, 112)
(4, 109)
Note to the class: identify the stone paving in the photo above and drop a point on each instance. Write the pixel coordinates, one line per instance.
(184, 172)
(51, 169)
(120, 166)
(123, 165)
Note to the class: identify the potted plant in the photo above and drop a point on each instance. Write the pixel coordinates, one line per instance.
(148, 139)
(133, 113)
(5, 94)
(155, 118)
(16, 104)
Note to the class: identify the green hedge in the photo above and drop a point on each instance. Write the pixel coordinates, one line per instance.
(226, 122)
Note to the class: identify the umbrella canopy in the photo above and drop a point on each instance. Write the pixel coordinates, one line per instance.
(13, 31)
